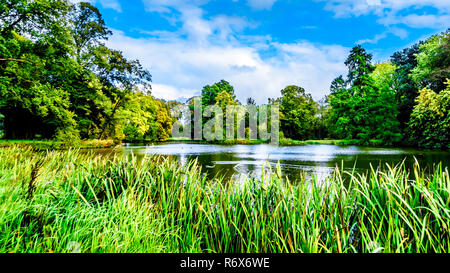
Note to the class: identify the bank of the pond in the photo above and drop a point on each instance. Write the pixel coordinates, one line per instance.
(97, 143)
(282, 142)
(108, 143)
(66, 201)
(58, 145)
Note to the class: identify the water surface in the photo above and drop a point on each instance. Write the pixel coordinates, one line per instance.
(320, 160)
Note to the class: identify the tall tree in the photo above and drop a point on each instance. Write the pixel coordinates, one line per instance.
(30, 98)
(359, 67)
(430, 119)
(210, 92)
(298, 113)
(406, 89)
(366, 110)
(88, 30)
(433, 63)
(58, 79)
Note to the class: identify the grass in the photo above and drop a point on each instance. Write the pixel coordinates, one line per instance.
(54, 144)
(86, 144)
(285, 142)
(222, 142)
(340, 142)
(65, 201)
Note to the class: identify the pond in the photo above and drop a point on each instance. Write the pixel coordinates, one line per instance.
(317, 160)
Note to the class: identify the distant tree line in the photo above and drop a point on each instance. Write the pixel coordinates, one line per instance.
(404, 101)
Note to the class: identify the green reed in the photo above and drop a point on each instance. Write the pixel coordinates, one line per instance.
(70, 201)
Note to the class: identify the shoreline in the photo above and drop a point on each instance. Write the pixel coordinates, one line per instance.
(109, 143)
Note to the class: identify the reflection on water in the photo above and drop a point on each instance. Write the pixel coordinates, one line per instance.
(320, 160)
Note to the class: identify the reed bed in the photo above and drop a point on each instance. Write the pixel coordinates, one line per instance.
(69, 201)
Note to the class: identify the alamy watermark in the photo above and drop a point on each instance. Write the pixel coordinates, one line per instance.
(197, 122)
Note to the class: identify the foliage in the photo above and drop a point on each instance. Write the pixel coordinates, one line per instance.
(224, 99)
(433, 63)
(298, 113)
(59, 80)
(430, 120)
(210, 92)
(366, 109)
(406, 89)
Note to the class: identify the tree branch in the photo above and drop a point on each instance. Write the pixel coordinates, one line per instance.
(14, 60)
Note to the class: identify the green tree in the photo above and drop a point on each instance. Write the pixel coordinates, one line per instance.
(384, 109)
(298, 113)
(30, 98)
(433, 63)
(366, 110)
(62, 81)
(406, 89)
(224, 99)
(210, 92)
(430, 119)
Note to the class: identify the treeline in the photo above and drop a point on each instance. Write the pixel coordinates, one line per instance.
(404, 101)
(59, 80)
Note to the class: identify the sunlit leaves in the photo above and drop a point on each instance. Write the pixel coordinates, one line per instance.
(430, 120)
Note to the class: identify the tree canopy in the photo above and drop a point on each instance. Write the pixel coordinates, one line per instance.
(363, 106)
(58, 79)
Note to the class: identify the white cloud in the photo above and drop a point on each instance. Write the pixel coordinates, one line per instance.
(206, 50)
(399, 32)
(165, 6)
(419, 21)
(107, 4)
(111, 4)
(261, 4)
(388, 11)
(168, 92)
(180, 67)
(191, 16)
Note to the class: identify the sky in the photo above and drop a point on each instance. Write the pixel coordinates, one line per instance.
(262, 46)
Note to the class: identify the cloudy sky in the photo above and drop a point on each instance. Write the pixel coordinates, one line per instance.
(261, 46)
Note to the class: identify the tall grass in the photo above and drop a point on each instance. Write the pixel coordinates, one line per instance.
(55, 144)
(64, 201)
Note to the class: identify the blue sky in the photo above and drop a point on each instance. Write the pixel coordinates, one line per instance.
(261, 46)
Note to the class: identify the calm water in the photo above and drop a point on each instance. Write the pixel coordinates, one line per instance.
(321, 160)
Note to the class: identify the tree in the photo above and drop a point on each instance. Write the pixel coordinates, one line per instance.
(384, 108)
(359, 67)
(209, 93)
(35, 18)
(109, 76)
(348, 116)
(430, 119)
(33, 105)
(224, 99)
(406, 89)
(298, 113)
(58, 79)
(433, 63)
(338, 84)
(366, 110)
(88, 30)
